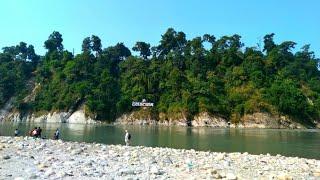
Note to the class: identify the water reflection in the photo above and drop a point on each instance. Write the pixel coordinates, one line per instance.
(302, 143)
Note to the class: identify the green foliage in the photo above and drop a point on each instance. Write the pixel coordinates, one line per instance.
(17, 64)
(54, 42)
(143, 48)
(288, 98)
(182, 77)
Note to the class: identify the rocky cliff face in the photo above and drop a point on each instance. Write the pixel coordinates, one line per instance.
(201, 120)
(143, 117)
(205, 119)
(266, 120)
(75, 115)
(179, 119)
(256, 120)
(55, 117)
(7, 109)
(146, 117)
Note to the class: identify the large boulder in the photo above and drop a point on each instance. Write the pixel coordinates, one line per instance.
(79, 117)
(57, 117)
(205, 119)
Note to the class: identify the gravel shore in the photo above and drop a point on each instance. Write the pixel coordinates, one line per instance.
(29, 158)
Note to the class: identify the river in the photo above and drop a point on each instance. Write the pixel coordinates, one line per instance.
(300, 143)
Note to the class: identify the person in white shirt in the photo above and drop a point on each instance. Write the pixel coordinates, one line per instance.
(127, 138)
(16, 132)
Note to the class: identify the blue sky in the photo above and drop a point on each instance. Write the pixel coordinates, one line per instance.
(128, 21)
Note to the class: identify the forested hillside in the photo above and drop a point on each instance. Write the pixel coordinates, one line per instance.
(181, 76)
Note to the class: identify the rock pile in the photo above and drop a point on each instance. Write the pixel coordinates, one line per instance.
(28, 158)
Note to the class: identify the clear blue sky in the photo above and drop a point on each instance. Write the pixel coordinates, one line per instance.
(129, 21)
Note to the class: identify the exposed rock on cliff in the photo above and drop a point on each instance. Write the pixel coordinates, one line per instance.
(255, 120)
(266, 120)
(141, 117)
(76, 113)
(55, 117)
(180, 119)
(204, 119)
(5, 111)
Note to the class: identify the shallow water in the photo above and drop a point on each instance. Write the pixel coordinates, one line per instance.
(300, 143)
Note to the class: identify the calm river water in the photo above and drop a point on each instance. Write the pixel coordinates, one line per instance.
(301, 143)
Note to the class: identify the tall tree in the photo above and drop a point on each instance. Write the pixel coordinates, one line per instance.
(268, 42)
(171, 41)
(54, 42)
(86, 45)
(143, 48)
(96, 44)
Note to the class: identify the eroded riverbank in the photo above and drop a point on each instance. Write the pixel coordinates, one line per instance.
(30, 158)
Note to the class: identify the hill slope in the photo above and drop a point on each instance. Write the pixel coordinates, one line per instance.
(220, 78)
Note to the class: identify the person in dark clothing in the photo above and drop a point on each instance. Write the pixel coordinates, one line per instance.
(56, 134)
(39, 132)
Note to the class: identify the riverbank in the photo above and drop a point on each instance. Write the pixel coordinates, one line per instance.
(30, 158)
(146, 117)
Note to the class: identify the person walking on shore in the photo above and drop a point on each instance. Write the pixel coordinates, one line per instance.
(127, 138)
(39, 131)
(56, 134)
(16, 132)
(34, 132)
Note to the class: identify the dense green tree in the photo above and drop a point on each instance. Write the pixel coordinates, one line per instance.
(143, 48)
(86, 45)
(54, 42)
(96, 44)
(268, 42)
(171, 41)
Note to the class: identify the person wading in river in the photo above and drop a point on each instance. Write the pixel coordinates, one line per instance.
(127, 138)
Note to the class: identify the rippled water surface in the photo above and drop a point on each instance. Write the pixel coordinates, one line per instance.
(301, 143)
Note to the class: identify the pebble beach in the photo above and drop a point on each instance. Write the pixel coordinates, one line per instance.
(31, 158)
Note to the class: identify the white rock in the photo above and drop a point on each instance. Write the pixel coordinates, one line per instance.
(222, 174)
(155, 170)
(284, 176)
(220, 157)
(216, 176)
(231, 176)
(61, 174)
(316, 173)
(19, 178)
(49, 172)
(49, 158)
(266, 168)
(76, 152)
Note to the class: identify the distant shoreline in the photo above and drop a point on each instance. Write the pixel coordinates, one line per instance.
(232, 126)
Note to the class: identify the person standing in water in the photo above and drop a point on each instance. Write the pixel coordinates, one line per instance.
(127, 138)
